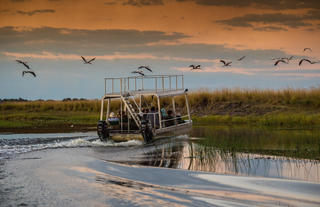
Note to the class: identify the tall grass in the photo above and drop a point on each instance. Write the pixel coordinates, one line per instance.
(43, 106)
(288, 97)
(202, 98)
(263, 107)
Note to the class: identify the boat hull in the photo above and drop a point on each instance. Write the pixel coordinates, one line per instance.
(158, 133)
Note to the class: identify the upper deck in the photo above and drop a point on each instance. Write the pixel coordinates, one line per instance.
(160, 85)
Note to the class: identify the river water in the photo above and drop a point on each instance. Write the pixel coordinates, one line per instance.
(210, 166)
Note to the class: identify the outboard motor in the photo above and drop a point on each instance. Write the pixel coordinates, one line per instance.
(103, 131)
(146, 131)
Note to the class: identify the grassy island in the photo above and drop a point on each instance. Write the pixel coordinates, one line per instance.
(289, 108)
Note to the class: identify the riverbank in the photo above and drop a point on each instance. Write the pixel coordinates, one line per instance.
(287, 108)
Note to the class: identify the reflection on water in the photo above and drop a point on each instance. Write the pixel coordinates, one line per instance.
(81, 171)
(254, 152)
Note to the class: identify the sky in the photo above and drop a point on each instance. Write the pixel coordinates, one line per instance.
(167, 35)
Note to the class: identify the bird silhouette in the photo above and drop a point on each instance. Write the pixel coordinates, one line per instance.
(287, 58)
(278, 61)
(241, 58)
(145, 67)
(138, 72)
(307, 48)
(225, 64)
(195, 67)
(86, 61)
(29, 71)
(24, 63)
(306, 60)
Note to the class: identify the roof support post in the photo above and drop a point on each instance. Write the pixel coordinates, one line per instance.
(135, 83)
(112, 80)
(120, 86)
(108, 110)
(159, 111)
(101, 112)
(174, 110)
(121, 125)
(162, 83)
(187, 104)
(182, 82)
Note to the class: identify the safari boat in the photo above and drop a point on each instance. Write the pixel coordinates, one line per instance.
(143, 108)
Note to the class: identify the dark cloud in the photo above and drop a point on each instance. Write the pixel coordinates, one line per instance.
(263, 4)
(312, 15)
(38, 11)
(269, 28)
(289, 20)
(110, 3)
(75, 41)
(17, 1)
(310, 29)
(107, 42)
(143, 2)
(4, 11)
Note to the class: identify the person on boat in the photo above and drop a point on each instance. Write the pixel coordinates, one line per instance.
(124, 116)
(178, 117)
(153, 117)
(170, 121)
(113, 120)
(163, 113)
(145, 114)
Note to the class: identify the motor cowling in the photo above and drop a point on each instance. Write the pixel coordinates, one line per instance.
(103, 131)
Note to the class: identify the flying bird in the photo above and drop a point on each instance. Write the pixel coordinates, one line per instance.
(29, 71)
(23, 63)
(241, 58)
(195, 67)
(87, 62)
(145, 67)
(287, 58)
(225, 64)
(309, 61)
(138, 72)
(307, 48)
(290, 58)
(278, 61)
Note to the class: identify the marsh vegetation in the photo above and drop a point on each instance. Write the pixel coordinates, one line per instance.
(293, 108)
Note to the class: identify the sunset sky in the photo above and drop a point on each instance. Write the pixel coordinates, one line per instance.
(167, 35)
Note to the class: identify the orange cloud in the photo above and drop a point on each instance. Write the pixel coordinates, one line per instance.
(115, 56)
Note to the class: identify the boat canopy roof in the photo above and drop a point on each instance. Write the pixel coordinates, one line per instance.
(158, 85)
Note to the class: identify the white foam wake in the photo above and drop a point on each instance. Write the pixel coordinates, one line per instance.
(8, 150)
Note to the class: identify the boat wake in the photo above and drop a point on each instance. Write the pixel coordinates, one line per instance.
(11, 146)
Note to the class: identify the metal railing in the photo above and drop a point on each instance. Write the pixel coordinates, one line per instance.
(176, 120)
(152, 83)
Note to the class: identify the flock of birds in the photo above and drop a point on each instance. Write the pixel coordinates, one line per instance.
(25, 64)
(285, 60)
(144, 68)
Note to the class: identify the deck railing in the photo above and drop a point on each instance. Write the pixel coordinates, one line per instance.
(152, 83)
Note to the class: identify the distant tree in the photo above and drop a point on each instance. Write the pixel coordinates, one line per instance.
(66, 99)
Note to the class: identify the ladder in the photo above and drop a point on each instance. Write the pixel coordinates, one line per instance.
(131, 110)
